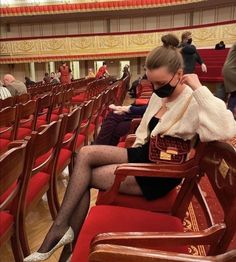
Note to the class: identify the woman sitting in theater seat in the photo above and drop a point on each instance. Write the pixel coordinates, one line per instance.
(95, 164)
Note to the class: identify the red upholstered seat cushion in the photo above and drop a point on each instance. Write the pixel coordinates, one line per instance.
(90, 129)
(42, 158)
(64, 110)
(163, 204)
(6, 222)
(40, 122)
(121, 144)
(79, 142)
(103, 219)
(54, 117)
(141, 101)
(37, 185)
(7, 193)
(7, 134)
(23, 132)
(4, 144)
(63, 159)
(79, 98)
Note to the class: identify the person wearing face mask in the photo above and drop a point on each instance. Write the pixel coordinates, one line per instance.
(204, 115)
(190, 54)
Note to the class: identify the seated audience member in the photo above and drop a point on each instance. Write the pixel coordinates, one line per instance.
(90, 73)
(46, 78)
(220, 45)
(117, 123)
(54, 79)
(28, 82)
(4, 92)
(190, 54)
(204, 114)
(229, 73)
(102, 71)
(14, 86)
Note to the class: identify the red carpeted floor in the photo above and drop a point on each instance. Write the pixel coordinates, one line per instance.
(214, 206)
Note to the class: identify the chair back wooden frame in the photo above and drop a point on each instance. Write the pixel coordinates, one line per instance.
(44, 105)
(70, 125)
(86, 119)
(111, 253)
(13, 164)
(219, 166)
(41, 143)
(9, 101)
(22, 98)
(27, 114)
(9, 120)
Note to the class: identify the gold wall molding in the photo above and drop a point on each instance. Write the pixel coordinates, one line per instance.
(109, 46)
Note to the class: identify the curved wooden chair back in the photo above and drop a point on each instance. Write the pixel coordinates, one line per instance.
(67, 97)
(22, 98)
(86, 119)
(44, 104)
(72, 125)
(219, 166)
(110, 253)
(12, 177)
(9, 101)
(27, 114)
(8, 122)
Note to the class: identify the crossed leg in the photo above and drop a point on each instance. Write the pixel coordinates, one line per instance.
(95, 166)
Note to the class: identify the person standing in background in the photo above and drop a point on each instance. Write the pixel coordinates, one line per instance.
(229, 73)
(102, 71)
(65, 73)
(190, 54)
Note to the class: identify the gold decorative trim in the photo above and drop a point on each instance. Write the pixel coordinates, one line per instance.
(109, 46)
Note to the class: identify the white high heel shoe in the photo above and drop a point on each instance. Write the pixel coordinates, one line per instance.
(66, 239)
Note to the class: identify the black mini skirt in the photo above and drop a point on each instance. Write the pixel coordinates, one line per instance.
(152, 187)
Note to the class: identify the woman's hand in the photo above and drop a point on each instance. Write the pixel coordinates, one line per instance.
(191, 80)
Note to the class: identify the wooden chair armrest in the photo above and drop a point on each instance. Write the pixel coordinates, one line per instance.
(186, 170)
(129, 141)
(163, 239)
(111, 253)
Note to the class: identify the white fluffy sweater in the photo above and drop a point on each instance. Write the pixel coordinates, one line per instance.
(206, 115)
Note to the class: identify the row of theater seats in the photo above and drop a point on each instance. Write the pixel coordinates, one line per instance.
(214, 60)
(31, 165)
(22, 114)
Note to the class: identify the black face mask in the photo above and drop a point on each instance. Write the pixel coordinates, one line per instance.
(165, 90)
(190, 41)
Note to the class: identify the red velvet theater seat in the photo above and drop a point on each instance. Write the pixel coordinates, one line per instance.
(163, 204)
(102, 219)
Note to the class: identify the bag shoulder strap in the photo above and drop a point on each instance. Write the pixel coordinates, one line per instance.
(179, 116)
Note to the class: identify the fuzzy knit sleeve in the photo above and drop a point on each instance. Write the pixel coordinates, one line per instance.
(215, 121)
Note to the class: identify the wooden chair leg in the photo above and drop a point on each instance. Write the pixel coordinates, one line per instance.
(23, 237)
(51, 205)
(55, 198)
(16, 248)
(71, 165)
